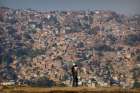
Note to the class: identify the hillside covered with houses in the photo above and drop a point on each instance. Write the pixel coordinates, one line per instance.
(39, 48)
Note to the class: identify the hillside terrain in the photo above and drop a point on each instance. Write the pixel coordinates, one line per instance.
(39, 48)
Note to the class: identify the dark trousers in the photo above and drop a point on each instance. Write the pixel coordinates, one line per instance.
(75, 82)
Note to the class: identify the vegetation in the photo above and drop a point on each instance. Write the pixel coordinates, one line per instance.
(67, 90)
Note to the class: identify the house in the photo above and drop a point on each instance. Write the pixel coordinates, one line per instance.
(8, 83)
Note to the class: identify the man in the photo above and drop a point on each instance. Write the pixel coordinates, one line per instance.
(74, 70)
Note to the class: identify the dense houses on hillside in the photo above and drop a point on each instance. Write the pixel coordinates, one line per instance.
(43, 45)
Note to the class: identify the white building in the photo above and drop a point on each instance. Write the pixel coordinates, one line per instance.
(8, 83)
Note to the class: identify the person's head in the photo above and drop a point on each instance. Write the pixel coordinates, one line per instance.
(73, 64)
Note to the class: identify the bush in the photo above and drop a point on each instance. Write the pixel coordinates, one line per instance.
(136, 84)
(103, 47)
(133, 39)
(43, 82)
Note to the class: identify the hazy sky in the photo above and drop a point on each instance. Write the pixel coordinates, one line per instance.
(120, 6)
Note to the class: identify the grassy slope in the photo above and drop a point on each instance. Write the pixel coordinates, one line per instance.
(68, 90)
